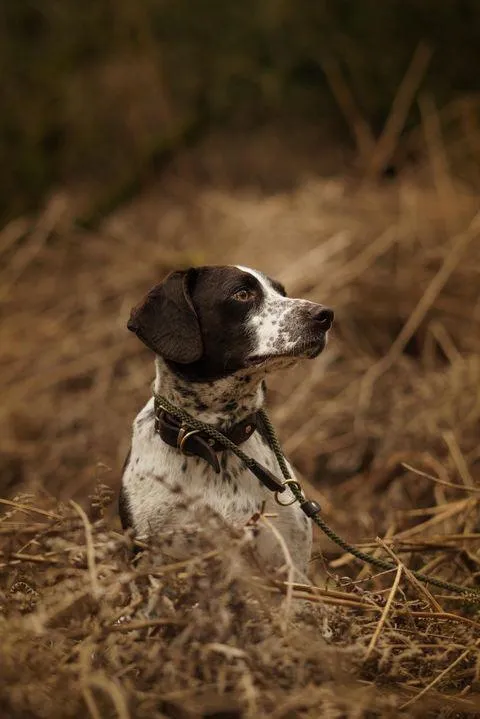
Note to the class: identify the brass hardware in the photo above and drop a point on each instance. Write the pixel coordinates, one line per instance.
(291, 501)
(183, 435)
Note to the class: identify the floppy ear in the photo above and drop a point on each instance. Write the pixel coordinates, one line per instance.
(166, 320)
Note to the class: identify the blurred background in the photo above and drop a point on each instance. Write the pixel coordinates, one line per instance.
(334, 145)
(106, 93)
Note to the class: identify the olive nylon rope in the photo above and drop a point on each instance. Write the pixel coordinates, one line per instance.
(472, 594)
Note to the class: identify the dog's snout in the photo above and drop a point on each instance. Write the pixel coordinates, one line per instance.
(324, 316)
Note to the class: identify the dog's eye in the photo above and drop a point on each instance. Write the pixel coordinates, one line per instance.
(243, 295)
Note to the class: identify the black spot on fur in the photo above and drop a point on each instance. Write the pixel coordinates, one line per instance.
(248, 508)
(184, 466)
(127, 460)
(124, 510)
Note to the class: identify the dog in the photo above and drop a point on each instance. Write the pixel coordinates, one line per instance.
(216, 332)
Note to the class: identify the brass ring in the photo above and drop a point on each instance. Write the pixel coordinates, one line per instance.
(284, 504)
(183, 435)
(292, 501)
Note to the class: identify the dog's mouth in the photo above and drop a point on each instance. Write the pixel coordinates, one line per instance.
(307, 349)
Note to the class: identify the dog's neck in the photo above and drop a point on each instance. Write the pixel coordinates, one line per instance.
(222, 402)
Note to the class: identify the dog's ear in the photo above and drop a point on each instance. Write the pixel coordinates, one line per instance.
(166, 320)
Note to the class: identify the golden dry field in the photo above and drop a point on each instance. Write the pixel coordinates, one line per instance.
(384, 429)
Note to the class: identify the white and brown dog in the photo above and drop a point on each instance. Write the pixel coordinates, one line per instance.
(216, 332)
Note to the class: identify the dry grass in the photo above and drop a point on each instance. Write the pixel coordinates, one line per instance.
(384, 426)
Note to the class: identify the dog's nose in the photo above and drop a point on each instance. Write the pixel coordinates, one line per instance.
(324, 316)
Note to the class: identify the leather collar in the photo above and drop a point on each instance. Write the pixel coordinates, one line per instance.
(197, 443)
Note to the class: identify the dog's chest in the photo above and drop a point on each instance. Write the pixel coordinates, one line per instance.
(159, 480)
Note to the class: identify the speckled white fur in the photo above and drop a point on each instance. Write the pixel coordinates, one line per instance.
(163, 488)
(275, 327)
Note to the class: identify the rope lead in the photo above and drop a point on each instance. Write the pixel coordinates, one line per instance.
(310, 508)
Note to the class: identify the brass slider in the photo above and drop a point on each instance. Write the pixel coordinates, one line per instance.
(291, 501)
(183, 435)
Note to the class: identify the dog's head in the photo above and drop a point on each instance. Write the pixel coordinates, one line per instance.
(210, 322)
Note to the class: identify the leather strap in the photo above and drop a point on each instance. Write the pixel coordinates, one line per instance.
(196, 443)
